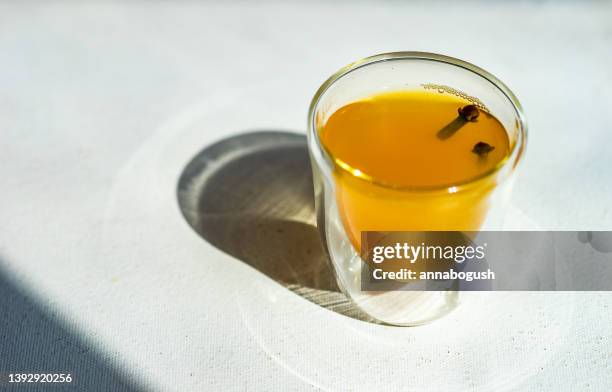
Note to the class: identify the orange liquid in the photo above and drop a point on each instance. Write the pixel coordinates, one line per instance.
(390, 143)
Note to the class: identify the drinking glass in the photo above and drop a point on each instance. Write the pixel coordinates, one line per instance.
(349, 202)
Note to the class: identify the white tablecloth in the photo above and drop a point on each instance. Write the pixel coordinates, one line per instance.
(102, 105)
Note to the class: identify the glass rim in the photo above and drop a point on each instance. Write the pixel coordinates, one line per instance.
(516, 152)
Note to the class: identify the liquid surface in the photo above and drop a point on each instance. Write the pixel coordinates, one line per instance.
(394, 138)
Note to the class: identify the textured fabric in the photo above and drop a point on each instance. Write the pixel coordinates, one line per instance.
(103, 104)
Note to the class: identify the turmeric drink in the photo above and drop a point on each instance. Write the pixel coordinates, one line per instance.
(413, 161)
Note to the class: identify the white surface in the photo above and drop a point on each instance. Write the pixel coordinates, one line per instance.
(102, 105)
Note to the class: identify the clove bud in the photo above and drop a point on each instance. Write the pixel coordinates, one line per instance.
(469, 112)
(482, 148)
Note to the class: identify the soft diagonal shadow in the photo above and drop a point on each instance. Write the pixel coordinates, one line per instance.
(251, 196)
(34, 341)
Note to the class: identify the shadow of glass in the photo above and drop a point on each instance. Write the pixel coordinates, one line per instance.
(251, 196)
(34, 341)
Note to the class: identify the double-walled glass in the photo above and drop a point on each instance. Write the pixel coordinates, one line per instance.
(349, 202)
